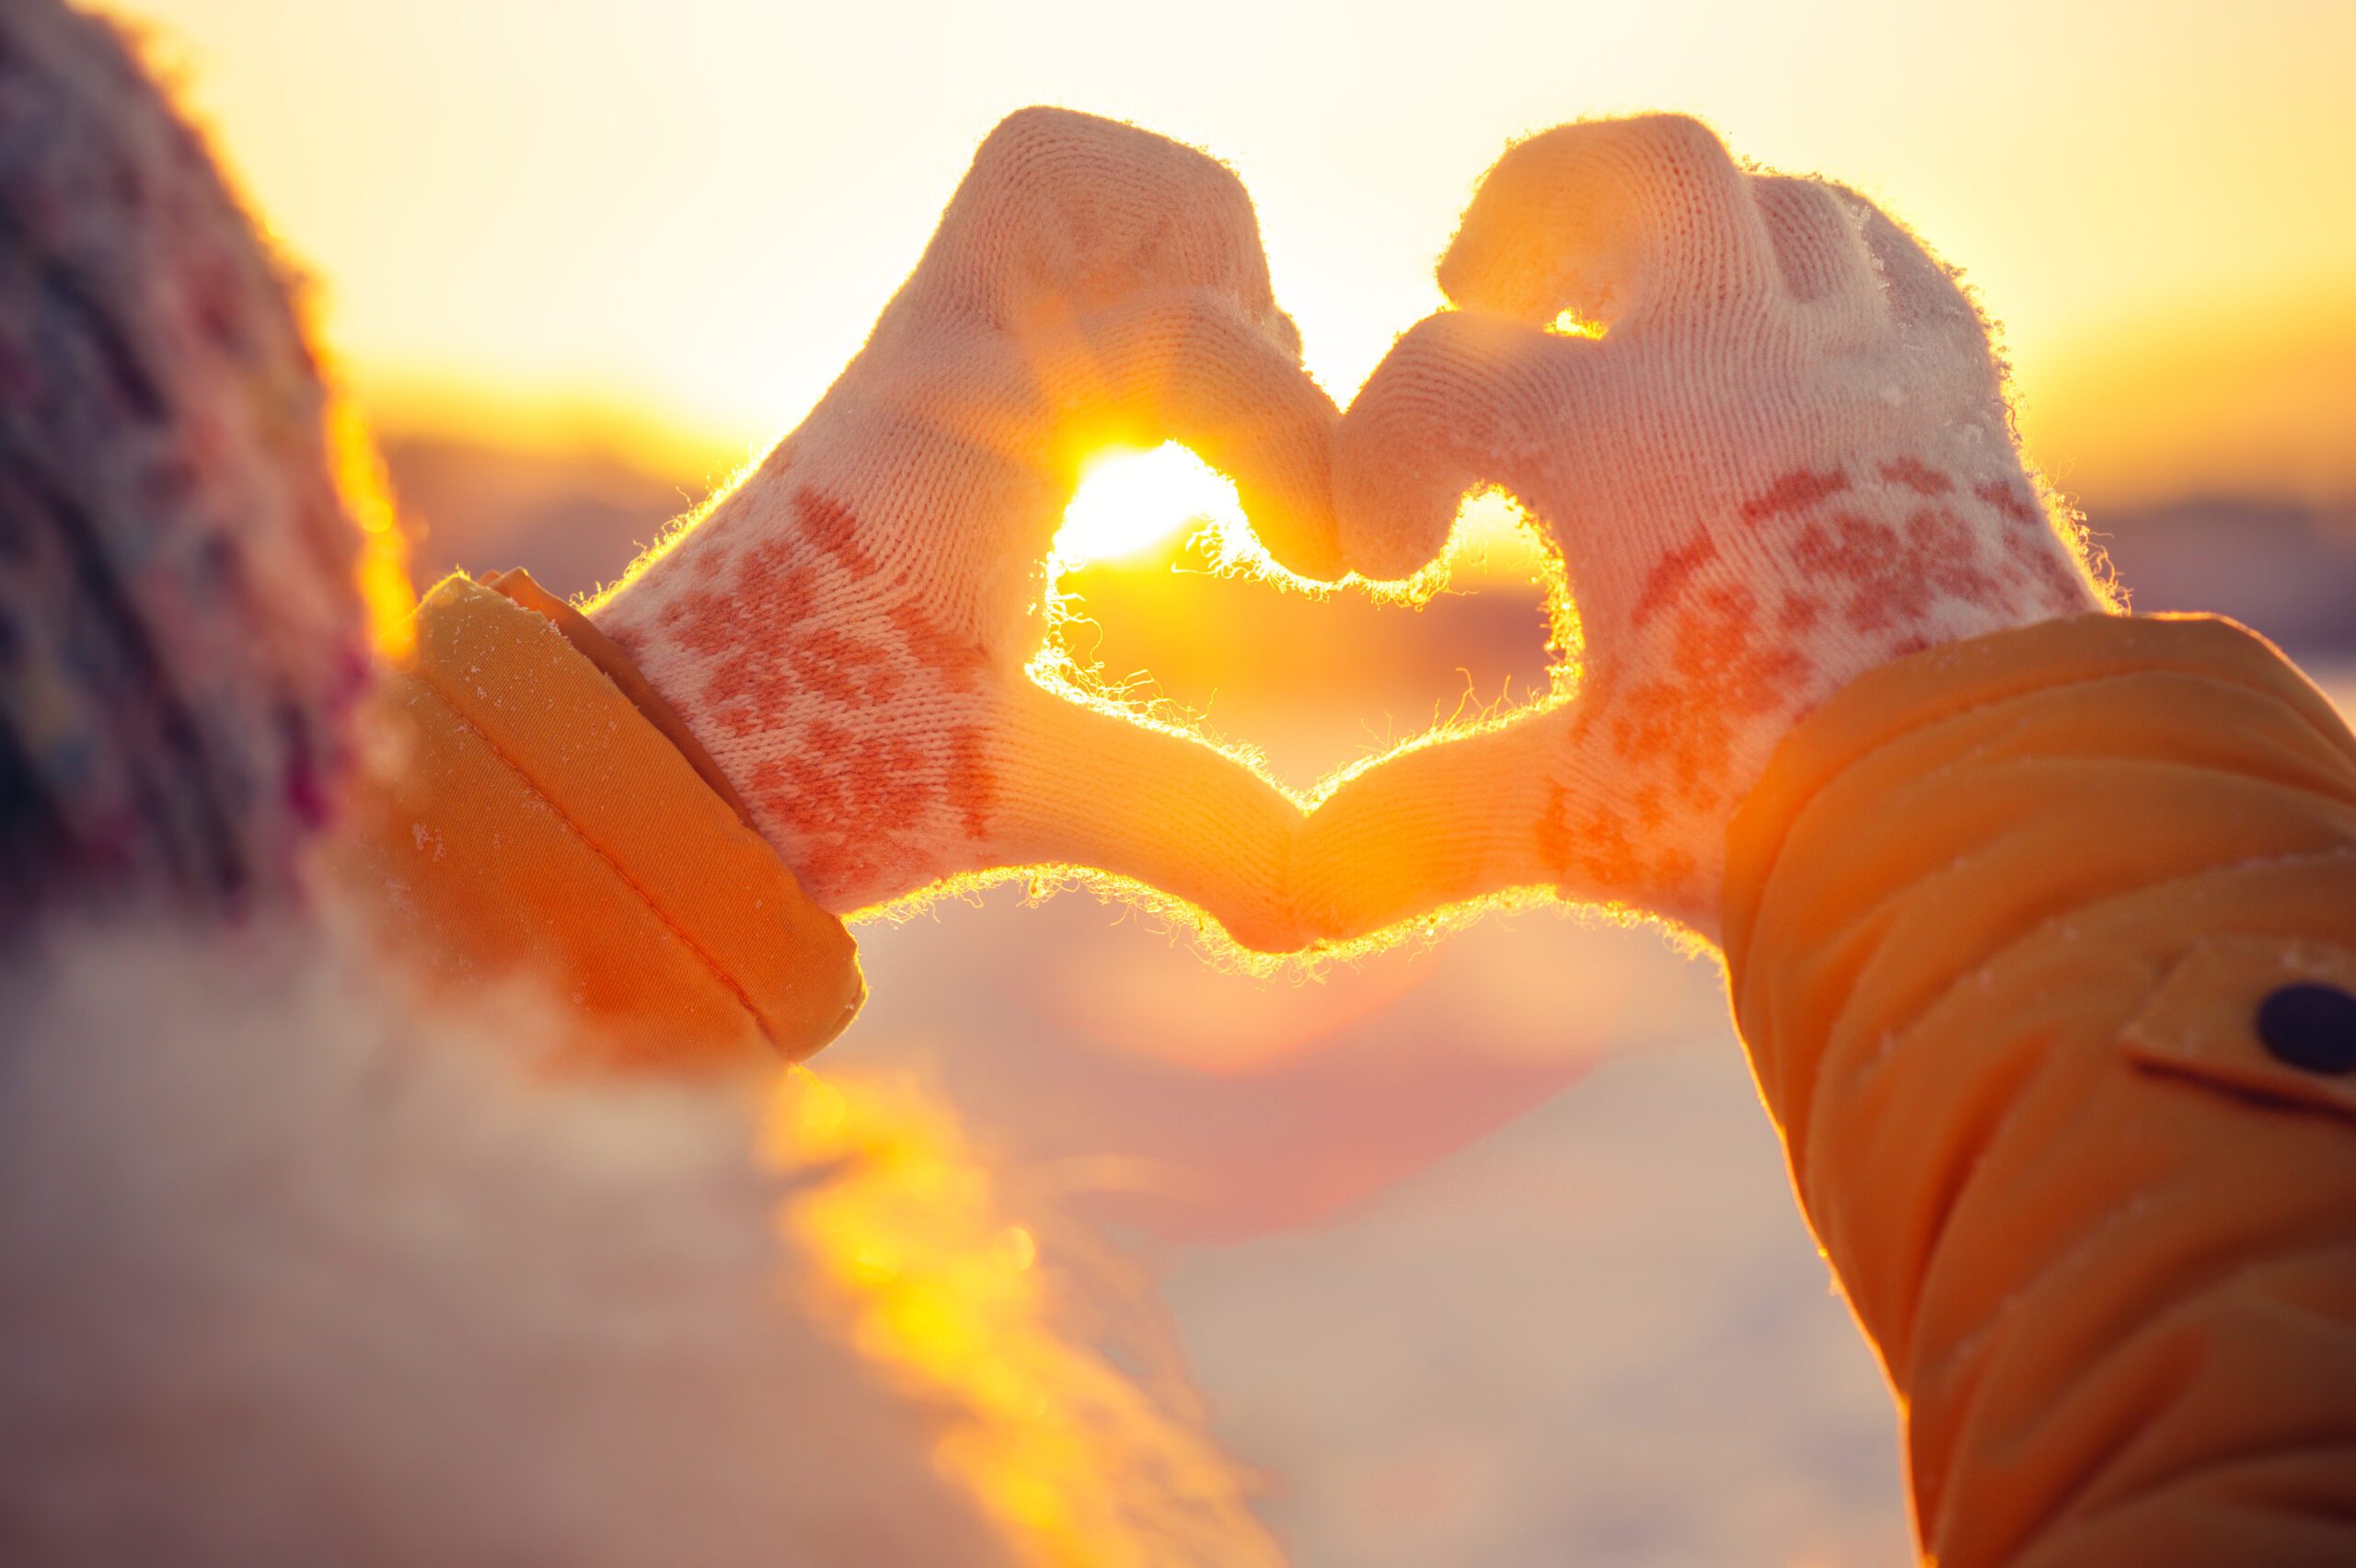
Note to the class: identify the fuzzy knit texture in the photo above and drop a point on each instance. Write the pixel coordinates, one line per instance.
(1766, 430)
(181, 627)
(847, 631)
(295, 1270)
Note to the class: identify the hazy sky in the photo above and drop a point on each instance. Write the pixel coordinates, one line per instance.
(691, 210)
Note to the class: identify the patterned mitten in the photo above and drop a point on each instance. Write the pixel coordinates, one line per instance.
(1767, 434)
(181, 634)
(846, 632)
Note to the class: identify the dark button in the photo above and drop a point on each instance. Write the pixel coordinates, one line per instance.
(2311, 1027)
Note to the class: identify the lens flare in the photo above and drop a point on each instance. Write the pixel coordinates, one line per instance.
(1570, 323)
(923, 1266)
(367, 493)
(1129, 501)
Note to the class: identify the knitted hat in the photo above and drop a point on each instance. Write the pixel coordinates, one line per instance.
(180, 626)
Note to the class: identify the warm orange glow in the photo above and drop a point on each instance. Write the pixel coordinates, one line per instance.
(1490, 530)
(706, 263)
(385, 590)
(1130, 501)
(1571, 324)
(924, 1271)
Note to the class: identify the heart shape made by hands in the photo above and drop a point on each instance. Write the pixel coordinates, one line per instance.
(1762, 427)
(1771, 445)
(1165, 609)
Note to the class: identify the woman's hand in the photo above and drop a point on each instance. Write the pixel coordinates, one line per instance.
(847, 631)
(1767, 434)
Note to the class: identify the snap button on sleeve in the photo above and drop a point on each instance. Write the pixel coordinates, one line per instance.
(2312, 1026)
(2268, 1018)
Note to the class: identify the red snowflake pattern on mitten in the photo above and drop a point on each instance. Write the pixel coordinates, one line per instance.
(1776, 456)
(858, 797)
(849, 632)
(1881, 565)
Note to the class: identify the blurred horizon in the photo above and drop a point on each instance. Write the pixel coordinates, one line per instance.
(559, 227)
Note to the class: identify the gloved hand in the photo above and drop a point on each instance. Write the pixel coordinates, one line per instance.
(847, 631)
(1766, 432)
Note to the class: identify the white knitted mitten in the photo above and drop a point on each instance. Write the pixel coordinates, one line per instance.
(1768, 434)
(847, 631)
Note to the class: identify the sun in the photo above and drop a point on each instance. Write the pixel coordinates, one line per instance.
(1129, 501)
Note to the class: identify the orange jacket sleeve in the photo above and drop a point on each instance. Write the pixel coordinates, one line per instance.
(521, 816)
(2003, 924)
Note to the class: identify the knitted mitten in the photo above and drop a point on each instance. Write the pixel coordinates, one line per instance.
(846, 632)
(180, 629)
(1768, 434)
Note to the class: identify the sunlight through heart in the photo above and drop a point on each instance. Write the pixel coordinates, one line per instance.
(1162, 610)
(1129, 501)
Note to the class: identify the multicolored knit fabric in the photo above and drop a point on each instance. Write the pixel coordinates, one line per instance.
(180, 626)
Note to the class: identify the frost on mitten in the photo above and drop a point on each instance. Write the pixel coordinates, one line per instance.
(1769, 436)
(181, 630)
(846, 632)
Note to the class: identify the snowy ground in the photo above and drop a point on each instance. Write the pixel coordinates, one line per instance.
(1459, 1312)
(1484, 1255)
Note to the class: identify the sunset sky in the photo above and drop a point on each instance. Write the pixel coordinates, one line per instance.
(673, 222)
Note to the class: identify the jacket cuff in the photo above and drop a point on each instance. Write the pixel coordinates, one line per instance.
(560, 793)
(1924, 691)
